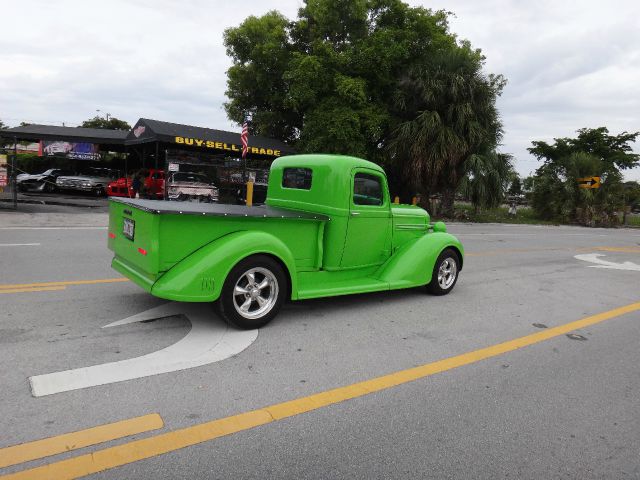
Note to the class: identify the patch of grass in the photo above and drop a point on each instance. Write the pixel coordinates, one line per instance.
(465, 212)
(524, 215)
(633, 220)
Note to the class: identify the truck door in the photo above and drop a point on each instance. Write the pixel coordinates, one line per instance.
(368, 238)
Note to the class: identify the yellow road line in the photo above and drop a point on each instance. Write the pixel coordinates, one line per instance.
(80, 439)
(551, 249)
(620, 249)
(516, 250)
(24, 290)
(66, 283)
(168, 442)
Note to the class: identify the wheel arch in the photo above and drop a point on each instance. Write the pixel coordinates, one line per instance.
(407, 267)
(200, 276)
(458, 252)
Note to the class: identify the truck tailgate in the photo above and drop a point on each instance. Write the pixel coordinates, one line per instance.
(133, 239)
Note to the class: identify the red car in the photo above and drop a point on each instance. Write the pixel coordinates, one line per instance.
(153, 185)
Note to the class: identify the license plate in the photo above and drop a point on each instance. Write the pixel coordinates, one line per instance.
(128, 228)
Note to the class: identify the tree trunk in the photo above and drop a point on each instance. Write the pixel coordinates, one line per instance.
(446, 207)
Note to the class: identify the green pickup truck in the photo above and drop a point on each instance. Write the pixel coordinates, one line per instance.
(328, 228)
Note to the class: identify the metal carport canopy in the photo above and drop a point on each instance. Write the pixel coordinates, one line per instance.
(111, 140)
(186, 136)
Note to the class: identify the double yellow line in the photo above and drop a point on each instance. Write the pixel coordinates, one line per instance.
(67, 442)
(52, 286)
(171, 441)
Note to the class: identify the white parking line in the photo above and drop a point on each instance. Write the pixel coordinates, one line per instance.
(207, 342)
(601, 263)
(19, 244)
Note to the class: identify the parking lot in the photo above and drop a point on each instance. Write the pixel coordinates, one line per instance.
(528, 369)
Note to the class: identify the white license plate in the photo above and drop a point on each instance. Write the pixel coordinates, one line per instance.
(128, 228)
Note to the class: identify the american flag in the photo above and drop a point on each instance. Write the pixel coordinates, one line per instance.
(244, 137)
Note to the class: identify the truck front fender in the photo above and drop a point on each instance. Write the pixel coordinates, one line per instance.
(199, 277)
(412, 264)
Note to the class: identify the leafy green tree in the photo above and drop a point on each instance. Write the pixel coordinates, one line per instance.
(632, 195)
(515, 185)
(326, 80)
(449, 107)
(3, 141)
(112, 123)
(256, 82)
(527, 183)
(487, 179)
(349, 76)
(556, 192)
(614, 151)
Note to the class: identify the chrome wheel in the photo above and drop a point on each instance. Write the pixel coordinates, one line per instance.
(447, 273)
(255, 293)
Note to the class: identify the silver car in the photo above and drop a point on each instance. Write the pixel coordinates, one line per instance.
(40, 182)
(95, 181)
(191, 186)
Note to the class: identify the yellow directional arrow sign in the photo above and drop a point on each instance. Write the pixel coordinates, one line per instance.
(589, 182)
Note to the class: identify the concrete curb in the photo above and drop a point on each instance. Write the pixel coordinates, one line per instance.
(53, 202)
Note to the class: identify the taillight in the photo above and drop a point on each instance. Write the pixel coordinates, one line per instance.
(142, 251)
(112, 235)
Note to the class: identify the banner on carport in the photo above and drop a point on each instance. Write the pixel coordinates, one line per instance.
(75, 151)
(3, 171)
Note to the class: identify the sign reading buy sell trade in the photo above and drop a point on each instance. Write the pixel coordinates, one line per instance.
(589, 182)
(231, 147)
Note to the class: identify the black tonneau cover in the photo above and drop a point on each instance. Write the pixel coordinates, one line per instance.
(216, 209)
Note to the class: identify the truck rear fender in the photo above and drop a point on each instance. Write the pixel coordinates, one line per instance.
(412, 264)
(200, 276)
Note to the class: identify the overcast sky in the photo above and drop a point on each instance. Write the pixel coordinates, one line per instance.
(569, 64)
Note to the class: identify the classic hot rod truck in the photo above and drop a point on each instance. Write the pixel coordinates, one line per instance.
(328, 228)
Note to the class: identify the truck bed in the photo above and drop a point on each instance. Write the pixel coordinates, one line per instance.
(160, 234)
(216, 209)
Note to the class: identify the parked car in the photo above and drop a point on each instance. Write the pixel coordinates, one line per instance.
(329, 228)
(191, 186)
(153, 185)
(94, 181)
(40, 182)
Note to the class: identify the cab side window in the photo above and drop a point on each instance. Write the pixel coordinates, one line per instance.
(367, 189)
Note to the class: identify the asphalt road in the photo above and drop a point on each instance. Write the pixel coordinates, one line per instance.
(560, 407)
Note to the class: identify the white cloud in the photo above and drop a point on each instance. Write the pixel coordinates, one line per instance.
(569, 64)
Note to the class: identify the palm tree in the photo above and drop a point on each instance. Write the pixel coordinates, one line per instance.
(447, 111)
(487, 178)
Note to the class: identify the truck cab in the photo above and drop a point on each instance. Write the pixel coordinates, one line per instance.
(354, 193)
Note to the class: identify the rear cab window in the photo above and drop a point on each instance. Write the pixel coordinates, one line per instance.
(298, 178)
